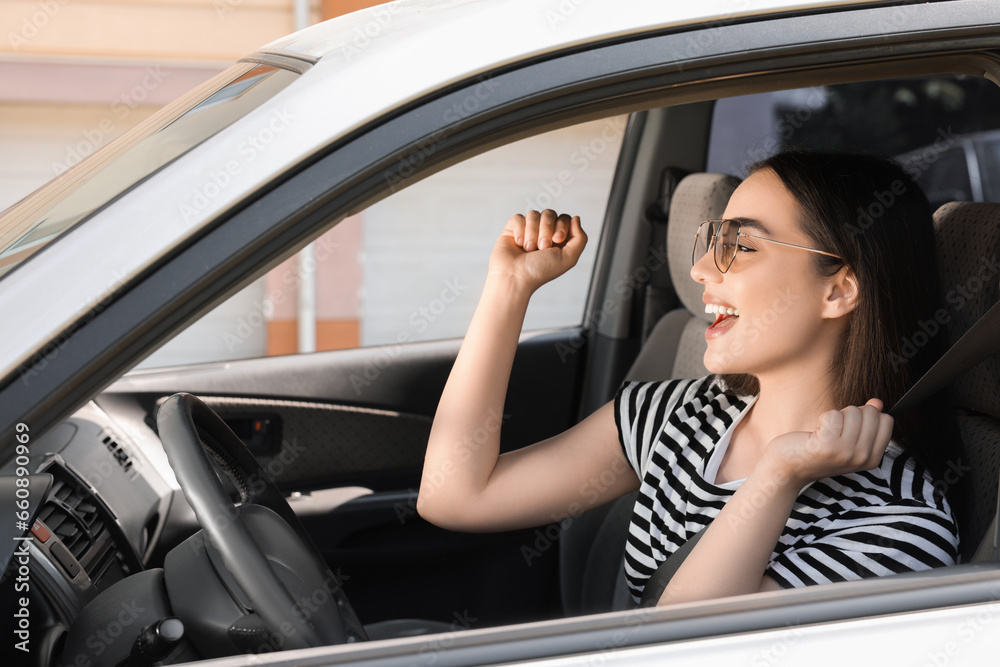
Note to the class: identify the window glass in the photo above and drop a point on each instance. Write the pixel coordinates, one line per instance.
(411, 267)
(988, 153)
(113, 172)
(932, 124)
(944, 176)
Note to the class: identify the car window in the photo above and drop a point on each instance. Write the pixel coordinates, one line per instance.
(988, 158)
(946, 175)
(113, 172)
(411, 267)
(939, 127)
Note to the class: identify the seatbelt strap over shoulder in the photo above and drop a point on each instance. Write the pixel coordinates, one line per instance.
(658, 581)
(980, 341)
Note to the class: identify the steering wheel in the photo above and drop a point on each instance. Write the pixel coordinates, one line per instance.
(252, 535)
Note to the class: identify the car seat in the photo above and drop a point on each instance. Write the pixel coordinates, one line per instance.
(968, 252)
(592, 545)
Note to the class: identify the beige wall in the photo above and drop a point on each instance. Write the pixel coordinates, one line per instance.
(212, 30)
(75, 74)
(38, 140)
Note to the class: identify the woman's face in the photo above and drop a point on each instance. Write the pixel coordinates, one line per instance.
(778, 294)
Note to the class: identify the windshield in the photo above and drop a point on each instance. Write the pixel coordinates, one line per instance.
(29, 225)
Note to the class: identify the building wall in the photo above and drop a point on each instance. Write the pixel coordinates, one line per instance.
(76, 74)
(143, 30)
(338, 273)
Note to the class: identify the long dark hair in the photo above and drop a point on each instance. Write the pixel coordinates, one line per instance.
(871, 213)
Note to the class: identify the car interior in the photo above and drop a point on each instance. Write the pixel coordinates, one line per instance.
(348, 462)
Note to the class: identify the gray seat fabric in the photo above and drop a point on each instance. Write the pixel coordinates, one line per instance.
(968, 241)
(676, 345)
(592, 546)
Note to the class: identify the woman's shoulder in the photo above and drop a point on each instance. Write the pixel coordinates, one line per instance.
(904, 477)
(679, 390)
(899, 481)
(707, 394)
(645, 407)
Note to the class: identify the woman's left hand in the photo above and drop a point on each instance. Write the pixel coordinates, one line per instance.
(844, 441)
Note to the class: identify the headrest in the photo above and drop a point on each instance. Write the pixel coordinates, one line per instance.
(968, 254)
(698, 197)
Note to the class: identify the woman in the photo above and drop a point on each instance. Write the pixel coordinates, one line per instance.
(785, 446)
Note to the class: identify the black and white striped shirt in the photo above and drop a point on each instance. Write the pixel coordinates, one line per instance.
(875, 522)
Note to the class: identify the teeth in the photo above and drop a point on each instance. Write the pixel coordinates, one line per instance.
(716, 309)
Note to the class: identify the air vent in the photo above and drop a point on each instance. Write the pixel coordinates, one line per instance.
(85, 527)
(72, 517)
(118, 452)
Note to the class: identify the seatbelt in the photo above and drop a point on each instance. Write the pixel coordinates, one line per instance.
(980, 341)
(665, 572)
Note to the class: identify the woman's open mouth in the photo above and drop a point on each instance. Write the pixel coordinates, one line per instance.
(725, 317)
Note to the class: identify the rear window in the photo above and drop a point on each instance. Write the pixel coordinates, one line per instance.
(988, 154)
(41, 217)
(941, 128)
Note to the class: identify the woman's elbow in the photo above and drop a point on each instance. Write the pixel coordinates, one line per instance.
(428, 509)
(450, 513)
(434, 509)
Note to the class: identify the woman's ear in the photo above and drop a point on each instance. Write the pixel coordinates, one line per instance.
(842, 294)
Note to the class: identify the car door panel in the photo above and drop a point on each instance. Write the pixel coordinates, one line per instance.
(337, 395)
(310, 444)
(360, 419)
(396, 565)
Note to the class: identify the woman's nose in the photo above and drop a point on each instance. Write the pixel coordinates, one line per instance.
(704, 269)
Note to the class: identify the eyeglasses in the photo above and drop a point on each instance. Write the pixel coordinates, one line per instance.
(726, 237)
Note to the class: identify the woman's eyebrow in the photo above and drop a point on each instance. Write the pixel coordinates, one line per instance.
(754, 224)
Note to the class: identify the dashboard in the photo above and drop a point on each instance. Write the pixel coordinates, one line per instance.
(102, 493)
(106, 515)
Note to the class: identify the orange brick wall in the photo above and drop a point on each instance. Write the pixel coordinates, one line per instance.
(283, 335)
(333, 8)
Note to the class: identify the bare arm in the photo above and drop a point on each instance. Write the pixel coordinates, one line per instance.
(466, 484)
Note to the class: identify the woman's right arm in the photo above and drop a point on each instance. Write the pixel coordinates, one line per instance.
(466, 484)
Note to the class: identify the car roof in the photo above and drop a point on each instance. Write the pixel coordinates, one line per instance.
(490, 33)
(400, 51)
